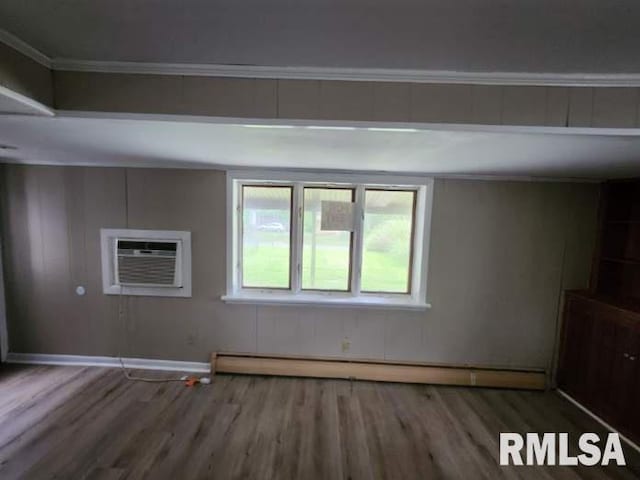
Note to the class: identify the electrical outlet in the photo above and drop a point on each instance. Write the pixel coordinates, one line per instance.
(346, 345)
(191, 339)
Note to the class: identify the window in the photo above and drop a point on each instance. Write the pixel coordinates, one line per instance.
(326, 253)
(387, 245)
(266, 236)
(347, 239)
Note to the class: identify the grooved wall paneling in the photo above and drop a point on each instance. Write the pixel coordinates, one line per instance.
(349, 101)
(501, 252)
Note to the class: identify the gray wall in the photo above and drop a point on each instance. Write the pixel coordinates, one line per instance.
(348, 100)
(501, 252)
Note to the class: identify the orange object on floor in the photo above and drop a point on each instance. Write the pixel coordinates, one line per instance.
(191, 381)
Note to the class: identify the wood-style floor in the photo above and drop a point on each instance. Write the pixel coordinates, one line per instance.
(91, 423)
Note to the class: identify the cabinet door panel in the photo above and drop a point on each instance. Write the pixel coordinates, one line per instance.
(626, 389)
(566, 381)
(576, 355)
(584, 357)
(634, 407)
(603, 362)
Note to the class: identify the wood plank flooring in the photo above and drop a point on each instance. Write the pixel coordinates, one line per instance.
(91, 423)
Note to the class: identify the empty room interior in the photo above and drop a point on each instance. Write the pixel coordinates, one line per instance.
(357, 239)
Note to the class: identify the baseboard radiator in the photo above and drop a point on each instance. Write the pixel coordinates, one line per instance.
(376, 371)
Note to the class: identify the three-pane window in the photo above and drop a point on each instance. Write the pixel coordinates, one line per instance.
(309, 237)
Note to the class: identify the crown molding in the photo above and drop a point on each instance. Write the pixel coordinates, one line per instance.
(326, 73)
(355, 74)
(24, 48)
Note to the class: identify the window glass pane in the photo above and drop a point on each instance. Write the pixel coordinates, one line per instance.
(388, 228)
(266, 240)
(326, 252)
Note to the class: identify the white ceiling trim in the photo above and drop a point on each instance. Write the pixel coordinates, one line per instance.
(23, 47)
(326, 73)
(355, 74)
(348, 124)
(38, 107)
(75, 140)
(249, 168)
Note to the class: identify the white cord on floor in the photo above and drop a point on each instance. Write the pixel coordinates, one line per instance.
(126, 374)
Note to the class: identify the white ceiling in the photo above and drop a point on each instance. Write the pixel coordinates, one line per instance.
(568, 36)
(136, 142)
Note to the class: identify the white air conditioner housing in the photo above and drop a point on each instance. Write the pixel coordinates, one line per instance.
(146, 262)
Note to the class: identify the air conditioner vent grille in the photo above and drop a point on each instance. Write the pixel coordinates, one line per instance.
(153, 270)
(146, 263)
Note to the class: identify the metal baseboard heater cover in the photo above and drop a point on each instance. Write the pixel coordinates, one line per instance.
(377, 371)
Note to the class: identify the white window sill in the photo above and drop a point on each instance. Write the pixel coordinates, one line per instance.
(321, 300)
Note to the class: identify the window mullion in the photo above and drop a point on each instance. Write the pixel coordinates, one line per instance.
(296, 238)
(358, 234)
(238, 215)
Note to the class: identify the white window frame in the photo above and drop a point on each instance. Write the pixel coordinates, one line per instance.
(415, 299)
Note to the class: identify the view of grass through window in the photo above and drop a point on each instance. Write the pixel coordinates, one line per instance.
(326, 254)
(266, 241)
(386, 256)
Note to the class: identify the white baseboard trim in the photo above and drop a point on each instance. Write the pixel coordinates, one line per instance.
(598, 419)
(95, 361)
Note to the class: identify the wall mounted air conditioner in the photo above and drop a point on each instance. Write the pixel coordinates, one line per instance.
(146, 262)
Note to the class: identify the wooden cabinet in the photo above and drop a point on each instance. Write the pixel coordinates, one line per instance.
(600, 359)
(599, 362)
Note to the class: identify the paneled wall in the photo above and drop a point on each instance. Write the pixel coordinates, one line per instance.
(348, 100)
(616, 107)
(501, 252)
